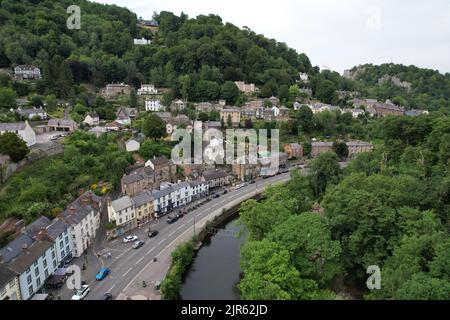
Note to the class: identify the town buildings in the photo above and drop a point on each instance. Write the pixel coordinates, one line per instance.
(216, 178)
(147, 89)
(62, 125)
(9, 284)
(153, 105)
(293, 150)
(138, 181)
(113, 90)
(23, 130)
(355, 147)
(32, 114)
(92, 119)
(246, 88)
(132, 145)
(231, 113)
(321, 147)
(163, 168)
(142, 42)
(27, 72)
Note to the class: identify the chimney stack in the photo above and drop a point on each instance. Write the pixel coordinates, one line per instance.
(25, 247)
(72, 210)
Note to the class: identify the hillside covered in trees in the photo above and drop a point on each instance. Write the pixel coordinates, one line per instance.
(405, 85)
(196, 57)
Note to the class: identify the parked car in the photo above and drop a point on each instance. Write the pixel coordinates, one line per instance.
(216, 196)
(179, 215)
(102, 274)
(138, 244)
(81, 293)
(157, 285)
(152, 233)
(225, 192)
(171, 220)
(252, 182)
(107, 296)
(130, 239)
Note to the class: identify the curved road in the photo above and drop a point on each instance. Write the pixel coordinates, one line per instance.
(129, 267)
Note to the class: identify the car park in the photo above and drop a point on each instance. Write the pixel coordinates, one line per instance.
(152, 233)
(138, 244)
(81, 293)
(130, 239)
(102, 274)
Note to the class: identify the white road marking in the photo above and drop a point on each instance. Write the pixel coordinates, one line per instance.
(199, 215)
(137, 262)
(181, 227)
(160, 243)
(171, 234)
(190, 220)
(127, 272)
(110, 289)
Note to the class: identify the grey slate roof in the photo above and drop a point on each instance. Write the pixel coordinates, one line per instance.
(29, 256)
(14, 248)
(6, 275)
(33, 228)
(12, 126)
(56, 229)
(143, 198)
(122, 203)
(213, 174)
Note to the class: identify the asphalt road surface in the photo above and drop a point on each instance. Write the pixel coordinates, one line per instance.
(129, 267)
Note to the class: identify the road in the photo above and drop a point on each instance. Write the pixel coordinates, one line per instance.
(129, 267)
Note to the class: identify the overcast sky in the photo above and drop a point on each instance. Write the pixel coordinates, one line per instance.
(334, 34)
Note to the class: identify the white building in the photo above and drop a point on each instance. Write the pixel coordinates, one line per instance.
(22, 129)
(153, 105)
(147, 89)
(171, 196)
(33, 113)
(122, 212)
(132, 145)
(142, 42)
(276, 111)
(355, 112)
(304, 77)
(92, 119)
(199, 189)
(27, 72)
(83, 220)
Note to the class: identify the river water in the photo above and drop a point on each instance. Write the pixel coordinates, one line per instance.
(215, 271)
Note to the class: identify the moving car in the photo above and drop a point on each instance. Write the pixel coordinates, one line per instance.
(138, 244)
(171, 220)
(81, 293)
(102, 274)
(130, 239)
(107, 296)
(152, 234)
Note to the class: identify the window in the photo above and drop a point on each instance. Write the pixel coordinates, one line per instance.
(66, 239)
(30, 290)
(35, 263)
(54, 263)
(61, 245)
(28, 270)
(38, 282)
(29, 279)
(45, 263)
(67, 249)
(36, 272)
(53, 254)
(46, 273)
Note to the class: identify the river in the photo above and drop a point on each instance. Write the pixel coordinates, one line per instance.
(215, 271)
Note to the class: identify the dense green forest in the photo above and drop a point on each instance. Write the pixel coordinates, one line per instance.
(428, 89)
(47, 187)
(389, 208)
(195, 57)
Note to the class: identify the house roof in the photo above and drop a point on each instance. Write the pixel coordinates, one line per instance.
(322, 144)
(214, 174)
(29, 256)
(31, 111)
(143, 198)
(122, 203)
(61, 122)
(160, 161)
(14, 248)
(81, 208)
(12, 126)
(33, 228)
(132, 178)
(357, 143)
(6, 275)
(56, 228)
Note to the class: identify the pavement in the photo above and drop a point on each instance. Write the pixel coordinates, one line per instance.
(130, 267)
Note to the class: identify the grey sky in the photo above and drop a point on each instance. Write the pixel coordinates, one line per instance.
(336, 34)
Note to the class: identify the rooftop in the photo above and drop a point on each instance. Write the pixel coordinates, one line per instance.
(29, 256)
